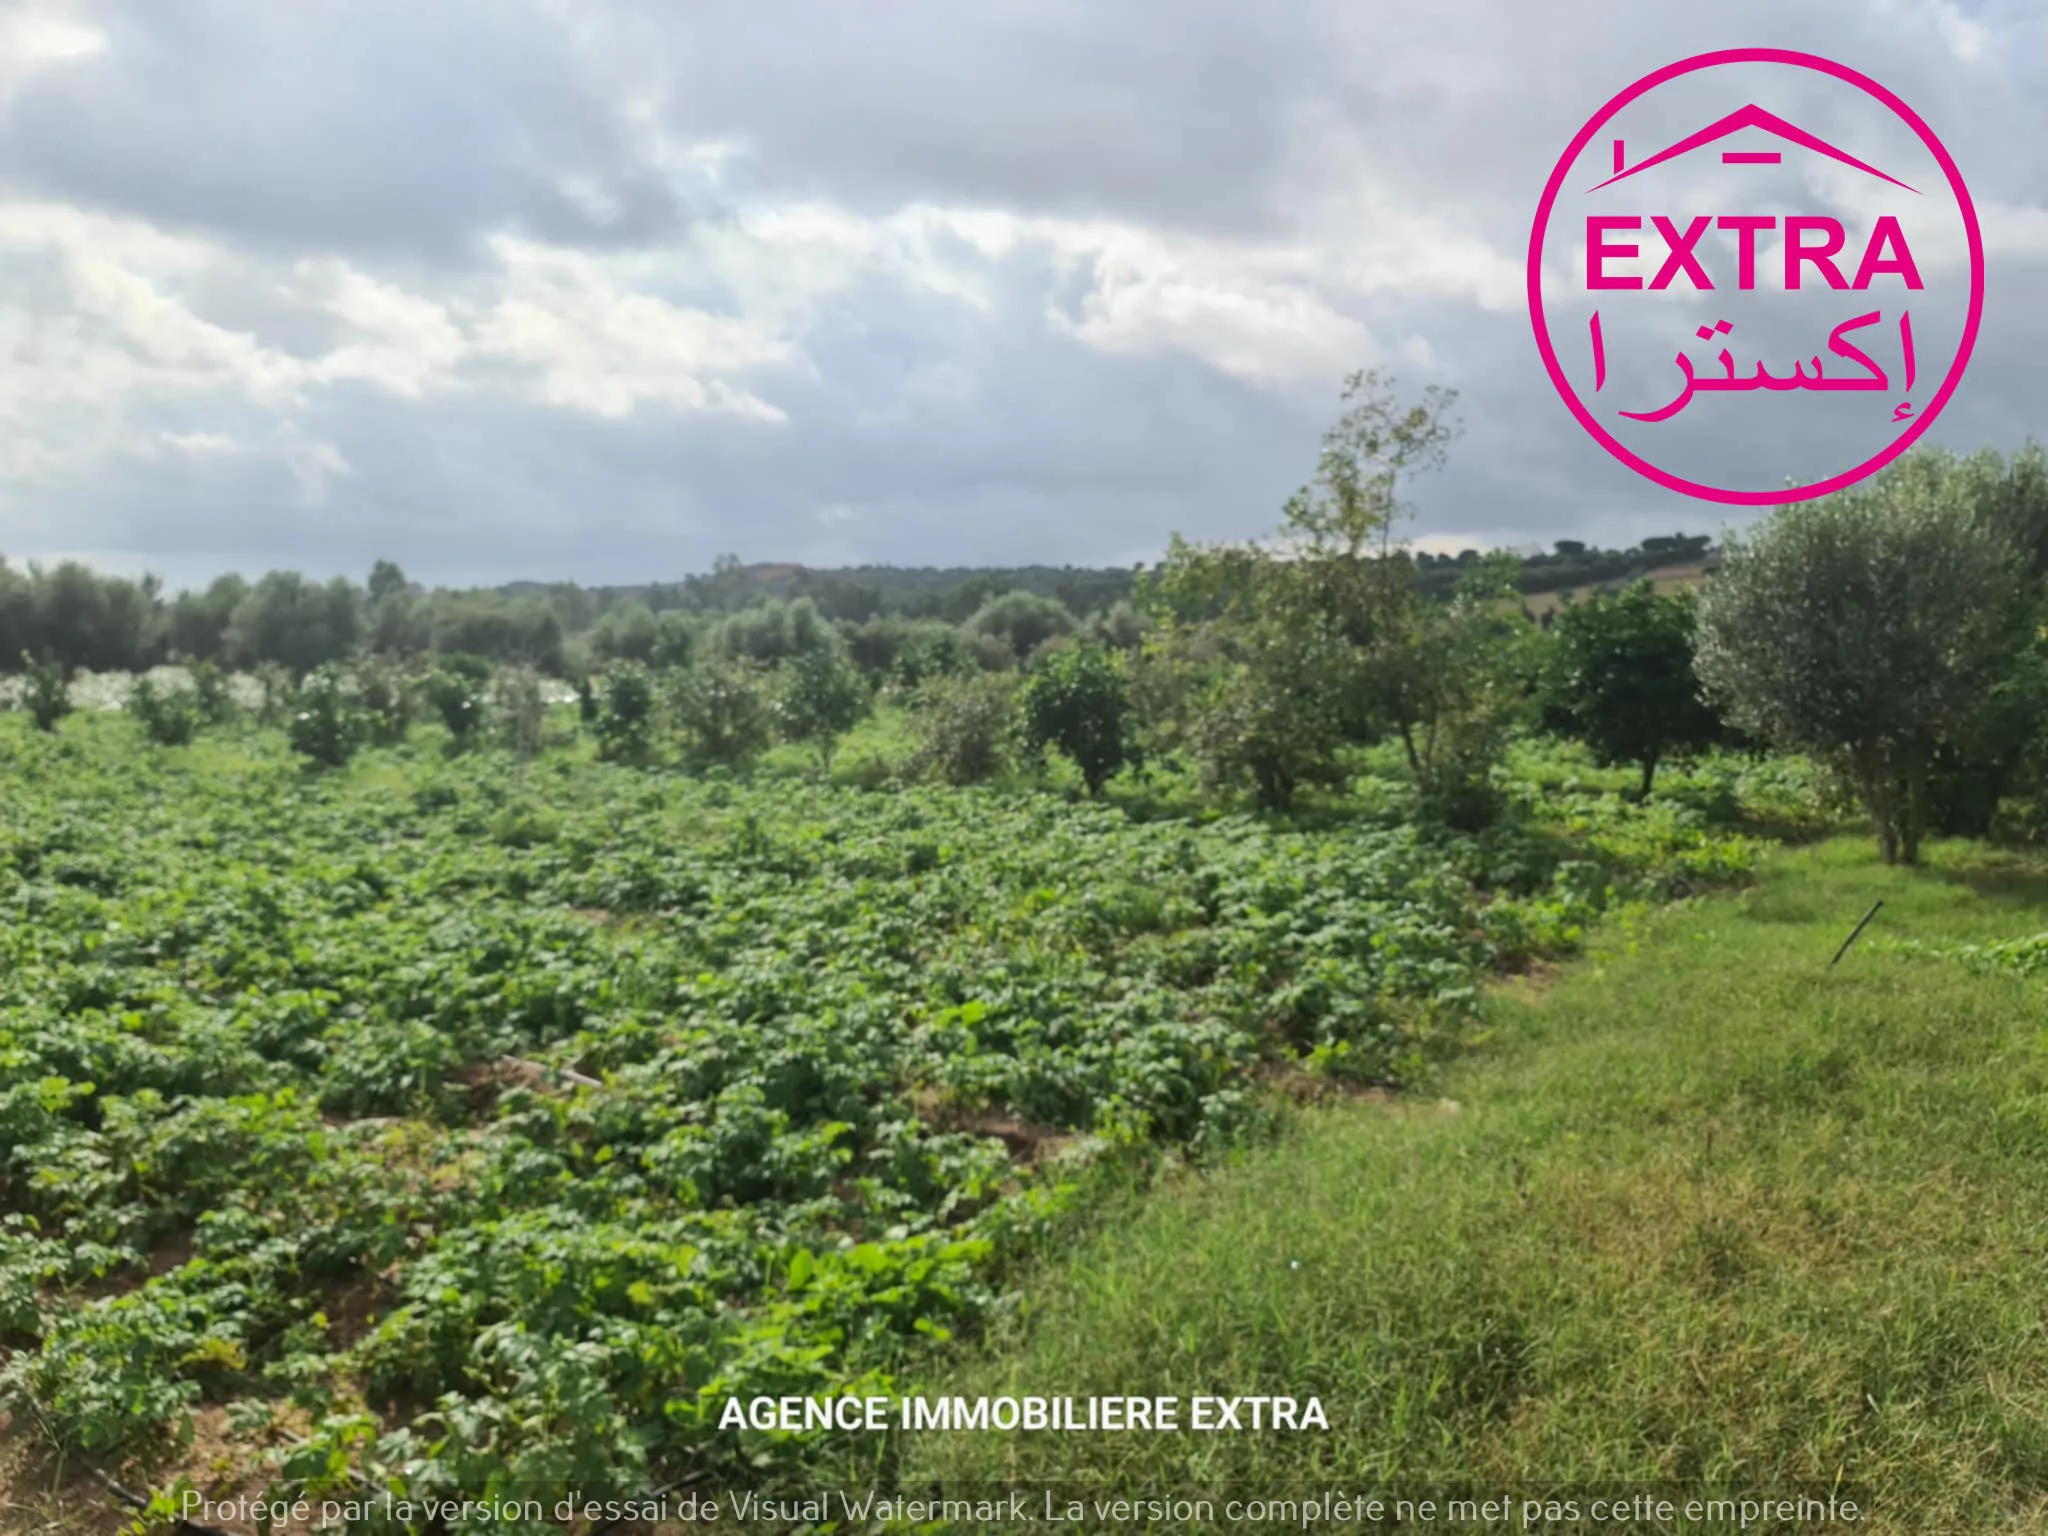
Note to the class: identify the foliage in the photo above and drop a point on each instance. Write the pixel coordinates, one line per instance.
(80, 620)
(2008, 495)
(1871, 626)
(169, 716)
(1989, 772)
(907, 652)
(677, 640)
(1452, 681)
(326, 725)
(196, 624)
(1619, 677)
(1353, 502)
(625, 713)
(108, 624)
(775, 631)
(514, 630)
(456, 694)
(49, 693)
(521, 711)
(1279, 655)
(211, 692)
(274, 690)
(1022, 621)
(317, 1032)
(1075, 699)
(295, 622)
(1119, 627)
(627, 633)
(820, 697)
(2024, 956)
(1992, 765)
(1243, 673)
(385, 696)
(964, 727)
(722, 711)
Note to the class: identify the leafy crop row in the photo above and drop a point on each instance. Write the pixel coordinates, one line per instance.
(485, 1126)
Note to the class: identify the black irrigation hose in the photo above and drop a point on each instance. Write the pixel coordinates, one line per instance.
(127, 1496)
(135, 1500)
(1854, 932)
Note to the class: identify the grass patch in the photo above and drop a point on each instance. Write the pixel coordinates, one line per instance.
(1705, 1213)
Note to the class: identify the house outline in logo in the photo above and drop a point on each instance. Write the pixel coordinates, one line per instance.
(1751, 116)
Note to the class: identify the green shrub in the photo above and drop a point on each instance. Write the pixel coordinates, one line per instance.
(1022, 621)
(276, 684)
(822, 695)
(386, 698)
(48, 696)
(522, 710)
(625, 713)
(326, 726)
(722, 712)
(904, 653)
(168, 716)
(775, 630)
(1619, 677)
(212, 693)
(458, 699)
(1075, 699)
(964, 727)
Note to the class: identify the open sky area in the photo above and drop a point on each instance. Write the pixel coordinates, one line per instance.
(600, 289)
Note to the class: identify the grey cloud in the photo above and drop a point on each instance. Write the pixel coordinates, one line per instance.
(377, 126)
(398, 136)
(1174, 113)
(1057, 454)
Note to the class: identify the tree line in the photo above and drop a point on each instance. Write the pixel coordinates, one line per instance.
(80, 620)
(1893, 630)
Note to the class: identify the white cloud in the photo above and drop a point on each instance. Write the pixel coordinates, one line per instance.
(1966, 39)
(314, 465)
(1232, 311)
(400, 341)
(200, 444)
(598, 344)
(34, 37)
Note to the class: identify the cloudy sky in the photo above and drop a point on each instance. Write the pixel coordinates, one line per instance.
(604, 288)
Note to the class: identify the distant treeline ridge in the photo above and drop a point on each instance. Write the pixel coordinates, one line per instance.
(83, 620)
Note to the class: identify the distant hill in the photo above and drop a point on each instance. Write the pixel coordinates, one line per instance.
(849, 592)
(953, 593)
(1666, 578)
(1573, 566)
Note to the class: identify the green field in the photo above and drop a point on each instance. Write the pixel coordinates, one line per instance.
(454, 1123)
(1702, 1213)
(483, 1125)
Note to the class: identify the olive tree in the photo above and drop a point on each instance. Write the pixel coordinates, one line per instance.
(1022, 620)
(1867, 627)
